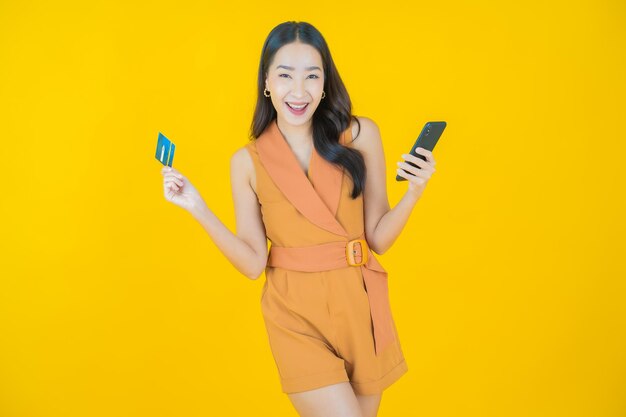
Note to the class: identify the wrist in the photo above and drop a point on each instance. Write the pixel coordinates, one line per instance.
(198, 210)
(412, 196)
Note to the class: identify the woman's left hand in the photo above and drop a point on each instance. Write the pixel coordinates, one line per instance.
(417, 178)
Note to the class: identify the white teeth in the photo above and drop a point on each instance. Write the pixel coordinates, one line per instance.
(293, 106)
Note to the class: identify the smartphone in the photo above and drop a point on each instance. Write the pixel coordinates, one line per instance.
(431, 132)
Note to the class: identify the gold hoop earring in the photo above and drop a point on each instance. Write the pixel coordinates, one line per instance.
(323, 94)
(266, 92)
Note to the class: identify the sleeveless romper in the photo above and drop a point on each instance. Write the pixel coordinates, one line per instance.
(319, 324)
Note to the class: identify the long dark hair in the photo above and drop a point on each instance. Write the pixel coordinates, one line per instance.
(332, 116)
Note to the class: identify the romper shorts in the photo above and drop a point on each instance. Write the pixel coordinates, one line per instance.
(320, 332)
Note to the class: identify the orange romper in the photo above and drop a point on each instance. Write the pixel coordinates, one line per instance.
(327, 319)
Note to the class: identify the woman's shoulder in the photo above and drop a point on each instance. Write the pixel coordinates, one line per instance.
(242, 163)
(363, 126)
(243, 157)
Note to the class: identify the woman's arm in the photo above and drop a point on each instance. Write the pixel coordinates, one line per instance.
(382, 224)
(247, 250)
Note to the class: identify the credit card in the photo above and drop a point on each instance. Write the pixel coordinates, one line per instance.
(165, 150)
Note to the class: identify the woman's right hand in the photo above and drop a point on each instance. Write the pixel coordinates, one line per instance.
(179, 190)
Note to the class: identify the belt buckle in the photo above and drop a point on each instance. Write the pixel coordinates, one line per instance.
(350, 252)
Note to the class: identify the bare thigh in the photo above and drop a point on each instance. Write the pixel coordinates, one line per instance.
(336, 400)
(369, 404)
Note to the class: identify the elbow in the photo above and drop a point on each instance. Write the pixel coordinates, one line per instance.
(375, 248)
(254, 275)
(253, 265)
(257, 271)
(379, 248)
(378, 251)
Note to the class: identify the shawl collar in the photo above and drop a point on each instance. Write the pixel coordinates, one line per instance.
(317, 196)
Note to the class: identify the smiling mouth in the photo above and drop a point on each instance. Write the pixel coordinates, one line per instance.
(297, 107)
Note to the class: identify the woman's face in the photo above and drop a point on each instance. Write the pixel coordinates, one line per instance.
(296, 77)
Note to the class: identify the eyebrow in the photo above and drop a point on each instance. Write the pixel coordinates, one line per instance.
(292, 68)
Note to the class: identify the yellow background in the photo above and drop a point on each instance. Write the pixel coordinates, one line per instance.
(507, 283)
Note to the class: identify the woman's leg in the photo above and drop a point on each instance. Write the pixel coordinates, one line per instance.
(336, 400)
(369, 404)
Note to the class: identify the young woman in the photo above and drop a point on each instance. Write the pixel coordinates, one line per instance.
(301, 183)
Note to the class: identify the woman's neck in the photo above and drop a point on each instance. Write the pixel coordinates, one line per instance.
(296, 136)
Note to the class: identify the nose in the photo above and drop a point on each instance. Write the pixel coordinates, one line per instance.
(298, 89)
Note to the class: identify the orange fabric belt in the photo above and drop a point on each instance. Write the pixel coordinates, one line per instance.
(341, 254)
